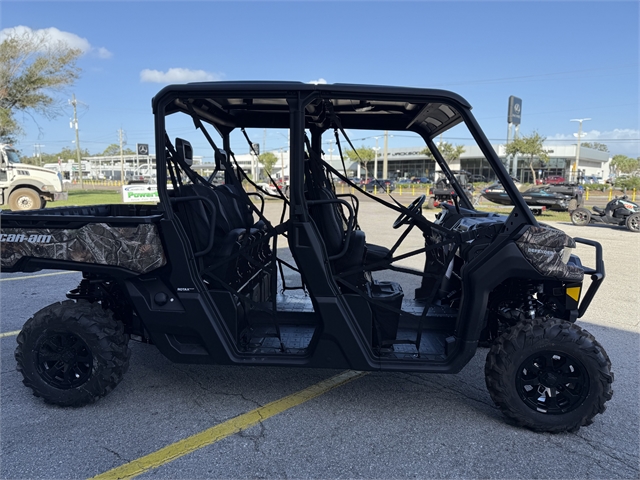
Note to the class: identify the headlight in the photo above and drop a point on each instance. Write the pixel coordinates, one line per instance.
(566, 254)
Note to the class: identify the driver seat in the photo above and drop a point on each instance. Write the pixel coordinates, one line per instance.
(598, 209)
(328, 219)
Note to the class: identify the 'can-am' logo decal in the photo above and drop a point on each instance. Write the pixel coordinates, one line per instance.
(19, 237)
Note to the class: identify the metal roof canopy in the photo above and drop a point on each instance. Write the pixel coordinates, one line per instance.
(231, 105)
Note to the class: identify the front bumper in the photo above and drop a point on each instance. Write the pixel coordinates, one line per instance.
(56, 196)
(597, 275)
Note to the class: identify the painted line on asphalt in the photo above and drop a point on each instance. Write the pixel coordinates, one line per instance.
(9, 334)
(223, 430)
(37, 276)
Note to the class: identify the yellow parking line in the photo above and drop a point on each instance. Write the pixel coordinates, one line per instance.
(37, 276)
(9, 334)
(214, 434)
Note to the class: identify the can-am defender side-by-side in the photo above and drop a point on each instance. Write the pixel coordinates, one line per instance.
(203, 274)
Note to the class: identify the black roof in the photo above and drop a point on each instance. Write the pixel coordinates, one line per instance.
(262, 104)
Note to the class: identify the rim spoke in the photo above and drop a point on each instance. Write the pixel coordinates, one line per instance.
(54, 346)
(56, 369)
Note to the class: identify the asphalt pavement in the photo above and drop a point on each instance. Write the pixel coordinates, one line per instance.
(380, 425)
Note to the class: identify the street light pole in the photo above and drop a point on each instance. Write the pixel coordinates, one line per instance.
(375, 162)
(74, 102)
(575, 165)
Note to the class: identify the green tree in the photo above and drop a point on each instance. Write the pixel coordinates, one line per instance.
(531, 147)
(596, 146)
(114, 150)
(624, 164)
(32, 68)
(450, 152)
(363, 155)
(268, 160)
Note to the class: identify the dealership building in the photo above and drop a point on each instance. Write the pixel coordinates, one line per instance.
(411, 162)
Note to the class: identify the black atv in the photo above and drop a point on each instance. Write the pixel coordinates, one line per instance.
(443, 191)
(206, 275)
(619, 211)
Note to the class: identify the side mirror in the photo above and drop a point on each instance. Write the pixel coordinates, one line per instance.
(184, 151)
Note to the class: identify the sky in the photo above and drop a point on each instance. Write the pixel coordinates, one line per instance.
(566, 60)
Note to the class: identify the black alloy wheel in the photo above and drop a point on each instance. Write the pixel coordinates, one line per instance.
(72, 353)
(552, 382)
(63, 360)
(549, 375)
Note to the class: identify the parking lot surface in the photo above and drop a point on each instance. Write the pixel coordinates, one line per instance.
(378, 425)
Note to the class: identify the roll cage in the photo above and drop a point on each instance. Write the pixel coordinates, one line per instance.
(240, 265)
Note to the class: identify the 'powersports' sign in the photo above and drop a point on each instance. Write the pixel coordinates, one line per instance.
(140, 193)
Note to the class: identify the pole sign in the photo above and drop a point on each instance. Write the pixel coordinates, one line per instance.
(515, 110)
(142, 148)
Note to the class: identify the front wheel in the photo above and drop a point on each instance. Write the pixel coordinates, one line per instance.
(549, 375)
(580, 217)
(24, 199)
(573, 204)
(72, 353)
(633, 222)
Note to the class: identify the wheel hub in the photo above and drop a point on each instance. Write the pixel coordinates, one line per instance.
(25, 202)
(64, 360)
(552, 382)
(549, 379)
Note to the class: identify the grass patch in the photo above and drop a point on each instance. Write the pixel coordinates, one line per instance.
(82, 198)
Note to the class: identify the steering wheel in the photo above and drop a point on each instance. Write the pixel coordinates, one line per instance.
(414, 209)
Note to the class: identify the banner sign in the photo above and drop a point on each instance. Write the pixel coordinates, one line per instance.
(140, 193)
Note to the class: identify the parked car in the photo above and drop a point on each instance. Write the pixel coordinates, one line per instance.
(421, 180)
(553, 180)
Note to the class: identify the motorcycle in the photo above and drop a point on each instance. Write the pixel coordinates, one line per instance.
(619, 211)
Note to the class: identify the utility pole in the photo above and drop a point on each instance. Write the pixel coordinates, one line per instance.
(37, 152)
(74, 123)
(121, 139)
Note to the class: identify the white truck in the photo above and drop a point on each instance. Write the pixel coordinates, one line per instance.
(24, 186)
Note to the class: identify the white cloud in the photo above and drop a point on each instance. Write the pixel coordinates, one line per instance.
(53, 35)
(104, 53)
(619, 140)
(320, 81)
(177, 75)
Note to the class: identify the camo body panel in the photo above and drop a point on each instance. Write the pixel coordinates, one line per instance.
(543, 248)
(135, 248)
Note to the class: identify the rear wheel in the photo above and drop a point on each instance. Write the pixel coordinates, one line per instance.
(549, 375)
(24, 199)
(431, 203)
(633, 222)
(580, 217)
(71, 354)
(573, 204)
